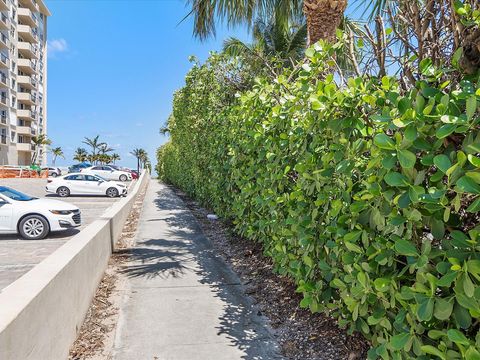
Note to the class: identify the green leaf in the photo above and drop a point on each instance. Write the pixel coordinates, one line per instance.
(399, 341)
(382, 284)
(475, 161)
(352, 247)
(443, 309)
(396, 179)
(467, 184)
(468, 286)
(438, 229)
(447, 279)
(407, 159)
(353, 236)
(404, 247)
(471, 106)
(429, 349)
(445, 130)
(442, 162)
(384, 142)
(457, 337)
(474, 207)
(472, 354)
(425, 309)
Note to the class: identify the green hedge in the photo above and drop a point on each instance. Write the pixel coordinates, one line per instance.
(367, 198)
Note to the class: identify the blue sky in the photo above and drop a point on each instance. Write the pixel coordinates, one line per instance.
(113, 67)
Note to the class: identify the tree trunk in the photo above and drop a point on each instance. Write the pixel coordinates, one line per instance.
(323, 19)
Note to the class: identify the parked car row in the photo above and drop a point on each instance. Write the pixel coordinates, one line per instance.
(85, 183)
(34, 218)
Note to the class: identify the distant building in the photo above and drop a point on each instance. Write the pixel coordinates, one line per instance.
(23, 79)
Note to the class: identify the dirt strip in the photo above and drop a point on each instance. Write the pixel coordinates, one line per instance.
(301, 334)
(96, 335)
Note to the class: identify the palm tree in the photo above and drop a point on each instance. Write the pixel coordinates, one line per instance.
(141, 156)
(104, 158)
(115, 157)
(57, 152)
(80, 155)
(323, 16)
(95, 144)
(104, 148)
(273, 39)
(38, 141)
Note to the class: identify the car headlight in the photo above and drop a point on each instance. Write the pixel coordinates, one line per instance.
(61, 212)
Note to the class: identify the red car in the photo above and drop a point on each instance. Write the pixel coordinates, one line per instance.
(134, 173)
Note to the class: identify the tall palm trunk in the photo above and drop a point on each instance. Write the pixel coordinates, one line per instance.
(323, 18)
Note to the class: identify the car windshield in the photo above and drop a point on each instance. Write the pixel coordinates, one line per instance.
(15, 195)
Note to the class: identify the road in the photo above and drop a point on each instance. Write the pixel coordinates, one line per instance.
(17, 256)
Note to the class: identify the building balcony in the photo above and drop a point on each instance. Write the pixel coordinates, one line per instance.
(27, 66)
(26, 98)
(4, 61)
(26, 16)
(4, 99)
(29, 4)
(26, 114)
(28, 50)
(4, 5)
(3, 81)
(4, 43)
(27, 82)
(24, 130)
(4, 22)
(27, 33)
(25, 147)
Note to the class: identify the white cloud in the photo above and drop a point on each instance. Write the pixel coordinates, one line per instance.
(57, 46)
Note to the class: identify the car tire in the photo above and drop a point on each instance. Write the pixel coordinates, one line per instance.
(33, 227)
(63, 191)
(123, 177)
(112, 192)
(54, 175)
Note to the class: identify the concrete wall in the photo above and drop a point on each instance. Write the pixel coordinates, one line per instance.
(41, 313)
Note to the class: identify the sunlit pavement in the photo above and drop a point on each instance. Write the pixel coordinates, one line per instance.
(17, 256)
(181, 301)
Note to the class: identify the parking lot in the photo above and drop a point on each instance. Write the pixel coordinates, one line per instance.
(17, 256)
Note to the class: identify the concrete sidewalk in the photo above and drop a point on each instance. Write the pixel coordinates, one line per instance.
(181, 300)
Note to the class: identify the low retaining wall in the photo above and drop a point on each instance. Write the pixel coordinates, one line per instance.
(42, 312)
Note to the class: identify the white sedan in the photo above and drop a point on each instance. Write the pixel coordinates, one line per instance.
(108, 172)
(32, 217)
(85, 184)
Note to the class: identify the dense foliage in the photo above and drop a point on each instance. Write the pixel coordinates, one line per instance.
(365, 194)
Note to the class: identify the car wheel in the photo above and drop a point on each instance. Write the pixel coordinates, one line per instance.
(63, 191)
(112, 192)
(33, 227)
(123, 177)
(54, 175)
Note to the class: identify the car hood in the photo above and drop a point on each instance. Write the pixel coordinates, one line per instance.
(49, 203)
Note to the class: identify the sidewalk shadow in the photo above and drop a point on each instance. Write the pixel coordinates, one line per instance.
(173, 255)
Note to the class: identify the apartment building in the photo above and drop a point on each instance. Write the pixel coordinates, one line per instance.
(23, 80)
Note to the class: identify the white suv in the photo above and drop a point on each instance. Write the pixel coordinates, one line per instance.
(108, 173)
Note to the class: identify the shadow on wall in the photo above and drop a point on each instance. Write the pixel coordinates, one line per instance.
(184, 249)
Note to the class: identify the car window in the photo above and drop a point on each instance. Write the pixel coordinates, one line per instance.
(75, 177)
(15, 195)
(91, 178)
(97, 168)
(107, 168)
